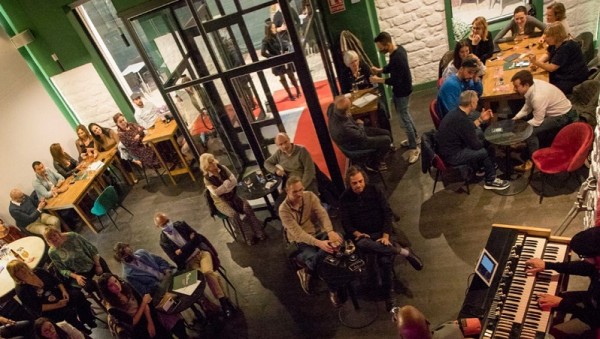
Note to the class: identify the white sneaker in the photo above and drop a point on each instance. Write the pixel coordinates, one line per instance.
(414, 155)
(404, 143)
(497, 184)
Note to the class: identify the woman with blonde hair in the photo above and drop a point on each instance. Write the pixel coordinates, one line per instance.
(85, 143)
(221, 184)
(63, 162)
(42, 294)
(480, 39)
(564, 59)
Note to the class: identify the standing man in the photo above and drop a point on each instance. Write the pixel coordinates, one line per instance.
(465, 79)
(550, 110)
(583, 305)
(47, 183)
(29, 217)
(191, 250)
(292, 160)
(366, 214)
(401, 81)
(307, 224)
(458, 143)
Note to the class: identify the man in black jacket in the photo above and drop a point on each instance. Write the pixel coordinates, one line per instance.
(583, 305)
(28, 217)
(191, 250)
(367, 216)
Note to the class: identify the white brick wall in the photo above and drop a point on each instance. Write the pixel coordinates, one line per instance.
(420, 26)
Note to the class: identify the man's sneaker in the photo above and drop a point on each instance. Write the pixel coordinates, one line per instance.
(497, 184)
(414, 260)
(480, 172)
(404, 143)
(524, 167)
(414, 155)
(304, 277)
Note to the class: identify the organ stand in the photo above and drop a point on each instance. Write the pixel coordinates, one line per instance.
(508, 309)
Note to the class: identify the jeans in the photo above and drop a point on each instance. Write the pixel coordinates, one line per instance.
(311, 255)
(401, 106)
(546, 131)
(385, 259)
(475, 158)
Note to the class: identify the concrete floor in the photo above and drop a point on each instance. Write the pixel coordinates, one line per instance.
(447, 229)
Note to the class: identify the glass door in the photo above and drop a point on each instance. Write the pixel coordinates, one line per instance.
(194, 50)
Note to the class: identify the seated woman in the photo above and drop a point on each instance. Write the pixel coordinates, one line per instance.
(133, 316)
(356, 75)
(75, 258)
(521, 26)
(564, 59)
(44, 295)
(461, 52)
(85, 143)
(106, 139)
(480, 39)
(63, 162)
(221, 184)
(131, 136)
(44, 328)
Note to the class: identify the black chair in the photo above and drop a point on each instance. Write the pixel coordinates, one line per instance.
(430, 159)
(360, 158)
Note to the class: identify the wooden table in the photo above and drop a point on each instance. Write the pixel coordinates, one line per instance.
(496, 80)
(80, 187)
(35, 248)
(369, 110)
(165, 131)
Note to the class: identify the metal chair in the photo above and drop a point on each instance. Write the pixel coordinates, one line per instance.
(107, 201)
(433, 112)
(360, 157)
(429, 159)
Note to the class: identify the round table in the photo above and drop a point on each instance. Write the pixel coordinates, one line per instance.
(251, 188)
(35, 248)
(506, 133)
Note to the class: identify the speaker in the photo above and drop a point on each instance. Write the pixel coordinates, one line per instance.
(22, 39)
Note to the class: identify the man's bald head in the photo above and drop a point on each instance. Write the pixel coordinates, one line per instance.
(342, 104)
(283, 143)
(281, 136)
(160, 219)
(16, 194)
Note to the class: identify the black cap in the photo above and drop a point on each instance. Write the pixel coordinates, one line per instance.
(469, 63)
(587, 243)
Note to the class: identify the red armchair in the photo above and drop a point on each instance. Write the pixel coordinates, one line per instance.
(567, 153)
(435, 117)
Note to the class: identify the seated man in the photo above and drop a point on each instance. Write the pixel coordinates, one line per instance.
(27, 216)
(148, 273)
(550, 108)
(367, 215)
(291, 159)
(191, 250)
(307, 224)
(583, 305)
(146, 115)
(353, 135)
(47, 183)
(458, 143)
(465, 79)
(412, 324)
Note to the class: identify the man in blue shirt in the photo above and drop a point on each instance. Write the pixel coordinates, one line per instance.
(466, 78)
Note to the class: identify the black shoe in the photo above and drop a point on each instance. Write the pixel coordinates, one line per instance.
(414, 260)
(227, 307)
(91, 324)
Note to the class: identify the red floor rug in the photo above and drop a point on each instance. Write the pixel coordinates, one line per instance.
(305, 131)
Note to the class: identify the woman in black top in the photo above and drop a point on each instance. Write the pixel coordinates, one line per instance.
(273, 46)
(63, 163)
(356, 74)
(44, 295)
(85, 143)
(564, 59)
(480, 39)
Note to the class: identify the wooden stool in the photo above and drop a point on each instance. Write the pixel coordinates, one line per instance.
(9, 234)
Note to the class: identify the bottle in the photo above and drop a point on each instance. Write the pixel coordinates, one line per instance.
(16, 255)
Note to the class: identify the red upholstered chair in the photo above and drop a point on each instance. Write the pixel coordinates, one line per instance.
(435, 117)
(567, 153)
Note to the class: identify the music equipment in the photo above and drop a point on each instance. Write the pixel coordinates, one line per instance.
(509, 308)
